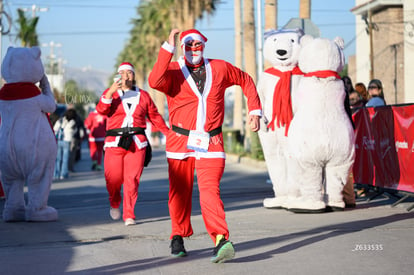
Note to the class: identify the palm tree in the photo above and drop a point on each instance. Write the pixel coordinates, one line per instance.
(249, 52)
(27, 32)
(270, 14)
(238, 49)
(155, 20)
(270, 19)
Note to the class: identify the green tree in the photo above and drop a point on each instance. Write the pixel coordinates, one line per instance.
(344, 71)
(27, 29)
(76, 96)
(155, 20)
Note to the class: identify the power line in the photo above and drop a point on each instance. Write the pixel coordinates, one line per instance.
(78, 33)
(80, 6)
(99, 32)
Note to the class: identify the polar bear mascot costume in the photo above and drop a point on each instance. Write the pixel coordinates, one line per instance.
(281, 49)
(321, 137)
(27, 142)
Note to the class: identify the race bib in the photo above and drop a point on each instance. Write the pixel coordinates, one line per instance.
(198, 141)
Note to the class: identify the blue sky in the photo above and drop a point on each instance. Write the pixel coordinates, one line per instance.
(91, 33)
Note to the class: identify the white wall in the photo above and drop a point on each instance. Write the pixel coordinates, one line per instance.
(362, 49)
(409, 51)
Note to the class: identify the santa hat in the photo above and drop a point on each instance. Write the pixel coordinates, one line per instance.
(192, 34)
(126, 66)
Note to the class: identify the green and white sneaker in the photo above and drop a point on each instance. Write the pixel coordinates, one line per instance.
(177, 247)
(224, 251)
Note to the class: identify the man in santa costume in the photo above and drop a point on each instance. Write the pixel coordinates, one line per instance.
(95, 125)
(195, 88)
(127, 108)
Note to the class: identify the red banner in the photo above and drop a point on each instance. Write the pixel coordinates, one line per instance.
(384, 147)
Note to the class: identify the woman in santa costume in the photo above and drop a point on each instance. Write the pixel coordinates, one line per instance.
(126, 107)
(195, 88)
(95, 125)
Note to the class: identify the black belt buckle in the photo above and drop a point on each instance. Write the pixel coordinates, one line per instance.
(125, 141)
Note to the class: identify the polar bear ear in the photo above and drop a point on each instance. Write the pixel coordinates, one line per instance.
(269, 33)
(306, 39)
(339, 41)
(35, 52)
(300, 32)
(10, 48)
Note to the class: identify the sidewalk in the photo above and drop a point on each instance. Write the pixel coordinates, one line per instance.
(374, 238)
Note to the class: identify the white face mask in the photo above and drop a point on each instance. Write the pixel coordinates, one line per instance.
(193, 57)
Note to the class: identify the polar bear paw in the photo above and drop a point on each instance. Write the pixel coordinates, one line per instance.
(14, 215)
(274, 203)
(46, 214)
(335, 206)
(301, 205)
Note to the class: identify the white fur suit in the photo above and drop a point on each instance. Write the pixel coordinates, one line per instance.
(27, 142)
(281, 49)
(321, 137)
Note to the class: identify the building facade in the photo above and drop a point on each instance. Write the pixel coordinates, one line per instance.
(385, 47)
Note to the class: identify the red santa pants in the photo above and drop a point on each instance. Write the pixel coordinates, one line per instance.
(181, 176)
(124, 167)
(1, 191)
(96, 151)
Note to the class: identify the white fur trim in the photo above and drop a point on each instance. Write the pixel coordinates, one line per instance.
(198, 155)
(257, 112)
(166, 46)
(126, 67)
(106, 100)
(193, 36)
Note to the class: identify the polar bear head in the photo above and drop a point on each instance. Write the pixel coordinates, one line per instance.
(281, 47)
(22, 65)
(321, 54)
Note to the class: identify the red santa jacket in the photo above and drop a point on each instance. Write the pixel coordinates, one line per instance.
(191, 110)
(129, 109)
(96, 125)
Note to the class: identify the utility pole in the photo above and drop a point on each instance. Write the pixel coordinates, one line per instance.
(52, 57)
(259, 36)
(35, 9)
(371, 46)
(394, 47)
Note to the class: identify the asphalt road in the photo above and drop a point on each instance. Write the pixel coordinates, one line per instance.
(373, 238)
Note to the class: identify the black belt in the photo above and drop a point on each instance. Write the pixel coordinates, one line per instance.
(186, 132)
(126, 131)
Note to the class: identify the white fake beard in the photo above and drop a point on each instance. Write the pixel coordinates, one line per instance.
(194, 60)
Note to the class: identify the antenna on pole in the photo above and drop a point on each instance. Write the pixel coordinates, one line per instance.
(35, 9)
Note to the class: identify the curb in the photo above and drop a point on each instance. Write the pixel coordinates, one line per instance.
(246, 161)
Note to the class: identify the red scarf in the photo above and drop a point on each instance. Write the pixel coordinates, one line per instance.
(282, 101)
(194, 65)
(20, 90)
(16, 91)
(323, 74)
